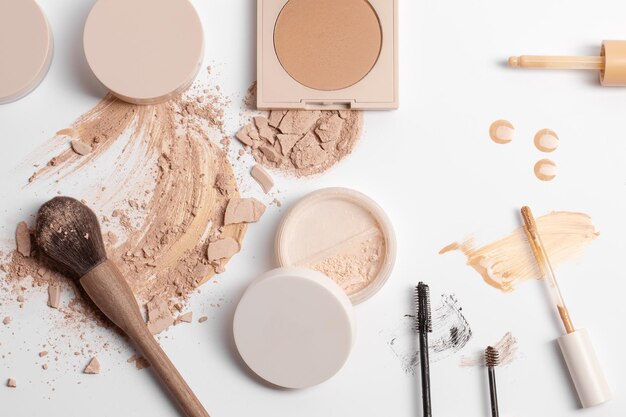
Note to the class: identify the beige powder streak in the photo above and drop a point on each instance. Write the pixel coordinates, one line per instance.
(508, 261)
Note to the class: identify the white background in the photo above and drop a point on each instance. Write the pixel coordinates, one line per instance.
(433, 168)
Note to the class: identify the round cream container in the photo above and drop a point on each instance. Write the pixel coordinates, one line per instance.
(294, 327)
(25, 48)
(343, 234)
(144, 51)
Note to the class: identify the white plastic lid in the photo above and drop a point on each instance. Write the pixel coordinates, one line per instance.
(294, 327)
(584, 368)
(144, 51)
(25, 48)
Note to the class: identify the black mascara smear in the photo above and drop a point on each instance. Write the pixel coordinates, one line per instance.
(450, 334)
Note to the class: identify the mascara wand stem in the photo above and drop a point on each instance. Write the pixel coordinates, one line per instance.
(493, 392)
(425, 373)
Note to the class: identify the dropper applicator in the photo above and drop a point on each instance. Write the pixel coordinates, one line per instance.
(576, 347)
(611, 63)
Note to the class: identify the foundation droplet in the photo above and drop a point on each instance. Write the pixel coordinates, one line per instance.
(501, 131)
(545, 170)
(546, 140)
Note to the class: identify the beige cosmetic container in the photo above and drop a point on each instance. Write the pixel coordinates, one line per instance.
(327, 54)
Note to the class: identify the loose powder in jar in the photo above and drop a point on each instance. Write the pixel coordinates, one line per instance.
(344, 235)
(327, 44)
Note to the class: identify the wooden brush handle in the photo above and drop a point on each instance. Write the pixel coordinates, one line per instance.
(108, 289)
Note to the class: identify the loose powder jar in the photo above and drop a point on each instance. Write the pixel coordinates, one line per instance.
(343, 234)
(327, 54)
(294, 327)
(144, 51)
(25, 48)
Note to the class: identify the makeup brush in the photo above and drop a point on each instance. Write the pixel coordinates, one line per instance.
(423, 326)
(576, 346)
(68, 233)
(492, 359)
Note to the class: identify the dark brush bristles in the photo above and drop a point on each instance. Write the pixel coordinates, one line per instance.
(492, 357)
(68, 233)
(423, 319)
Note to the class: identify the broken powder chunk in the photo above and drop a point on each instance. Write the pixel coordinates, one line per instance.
(22, 239)
(184, 318)
(287, 142)
(344, 114)
(93, 367)
(159, 315)
(262, 177)
(141, 363)
(11, 383)
(81, 147)
(308, 152)
(202, 319)
(7, 320)
(43, 353)
(66, 132)
(330, 129)
(44, 366)
(298, 121)
(224, 186)
(261, 122)
(276, 116)
(267, 135)
(223, 248)
(270, 153)
(54, 295)
(254, 135)
(243, 210)
(243, 136)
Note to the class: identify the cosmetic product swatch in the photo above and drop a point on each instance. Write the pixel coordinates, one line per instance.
(302, 142)
(451, 332)
(176, 187)
(508, 261)
(506, 348)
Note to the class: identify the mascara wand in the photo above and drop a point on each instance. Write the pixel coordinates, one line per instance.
(492, 359)
(423, 325)
(575, 345)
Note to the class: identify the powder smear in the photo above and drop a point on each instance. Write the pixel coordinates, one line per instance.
(506, 262)
(451, 332)
(506, 348)
(165, 200)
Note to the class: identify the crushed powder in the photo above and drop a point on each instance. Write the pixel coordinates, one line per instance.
(302, 142)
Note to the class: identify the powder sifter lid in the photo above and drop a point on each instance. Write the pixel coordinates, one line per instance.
(25, 48)
(144, 51)
(584, 368)
(294, 327)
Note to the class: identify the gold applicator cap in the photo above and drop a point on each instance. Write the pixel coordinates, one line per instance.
(611, 63)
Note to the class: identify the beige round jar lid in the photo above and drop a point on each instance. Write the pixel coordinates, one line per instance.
(144, 51)
(25, 48)
(342, 233)
(294, 327)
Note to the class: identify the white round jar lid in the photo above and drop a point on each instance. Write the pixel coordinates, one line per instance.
(343, 234)
(294, 327)
(144, 51)
(25, 48)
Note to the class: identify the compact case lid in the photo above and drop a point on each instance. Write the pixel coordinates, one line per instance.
(294, 327)
(25, 48)
(144, 51)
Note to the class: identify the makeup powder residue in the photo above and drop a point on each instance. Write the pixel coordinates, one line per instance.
(501, 131)
(508, 261)
(163, 203)
(357, 265)
(451, 332)
(302, 142)
(507, 350)
(545, 169)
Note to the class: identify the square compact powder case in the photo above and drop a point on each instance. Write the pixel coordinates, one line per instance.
(327, 54)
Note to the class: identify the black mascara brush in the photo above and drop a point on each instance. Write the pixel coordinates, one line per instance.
(492, 359)
(423, 326)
